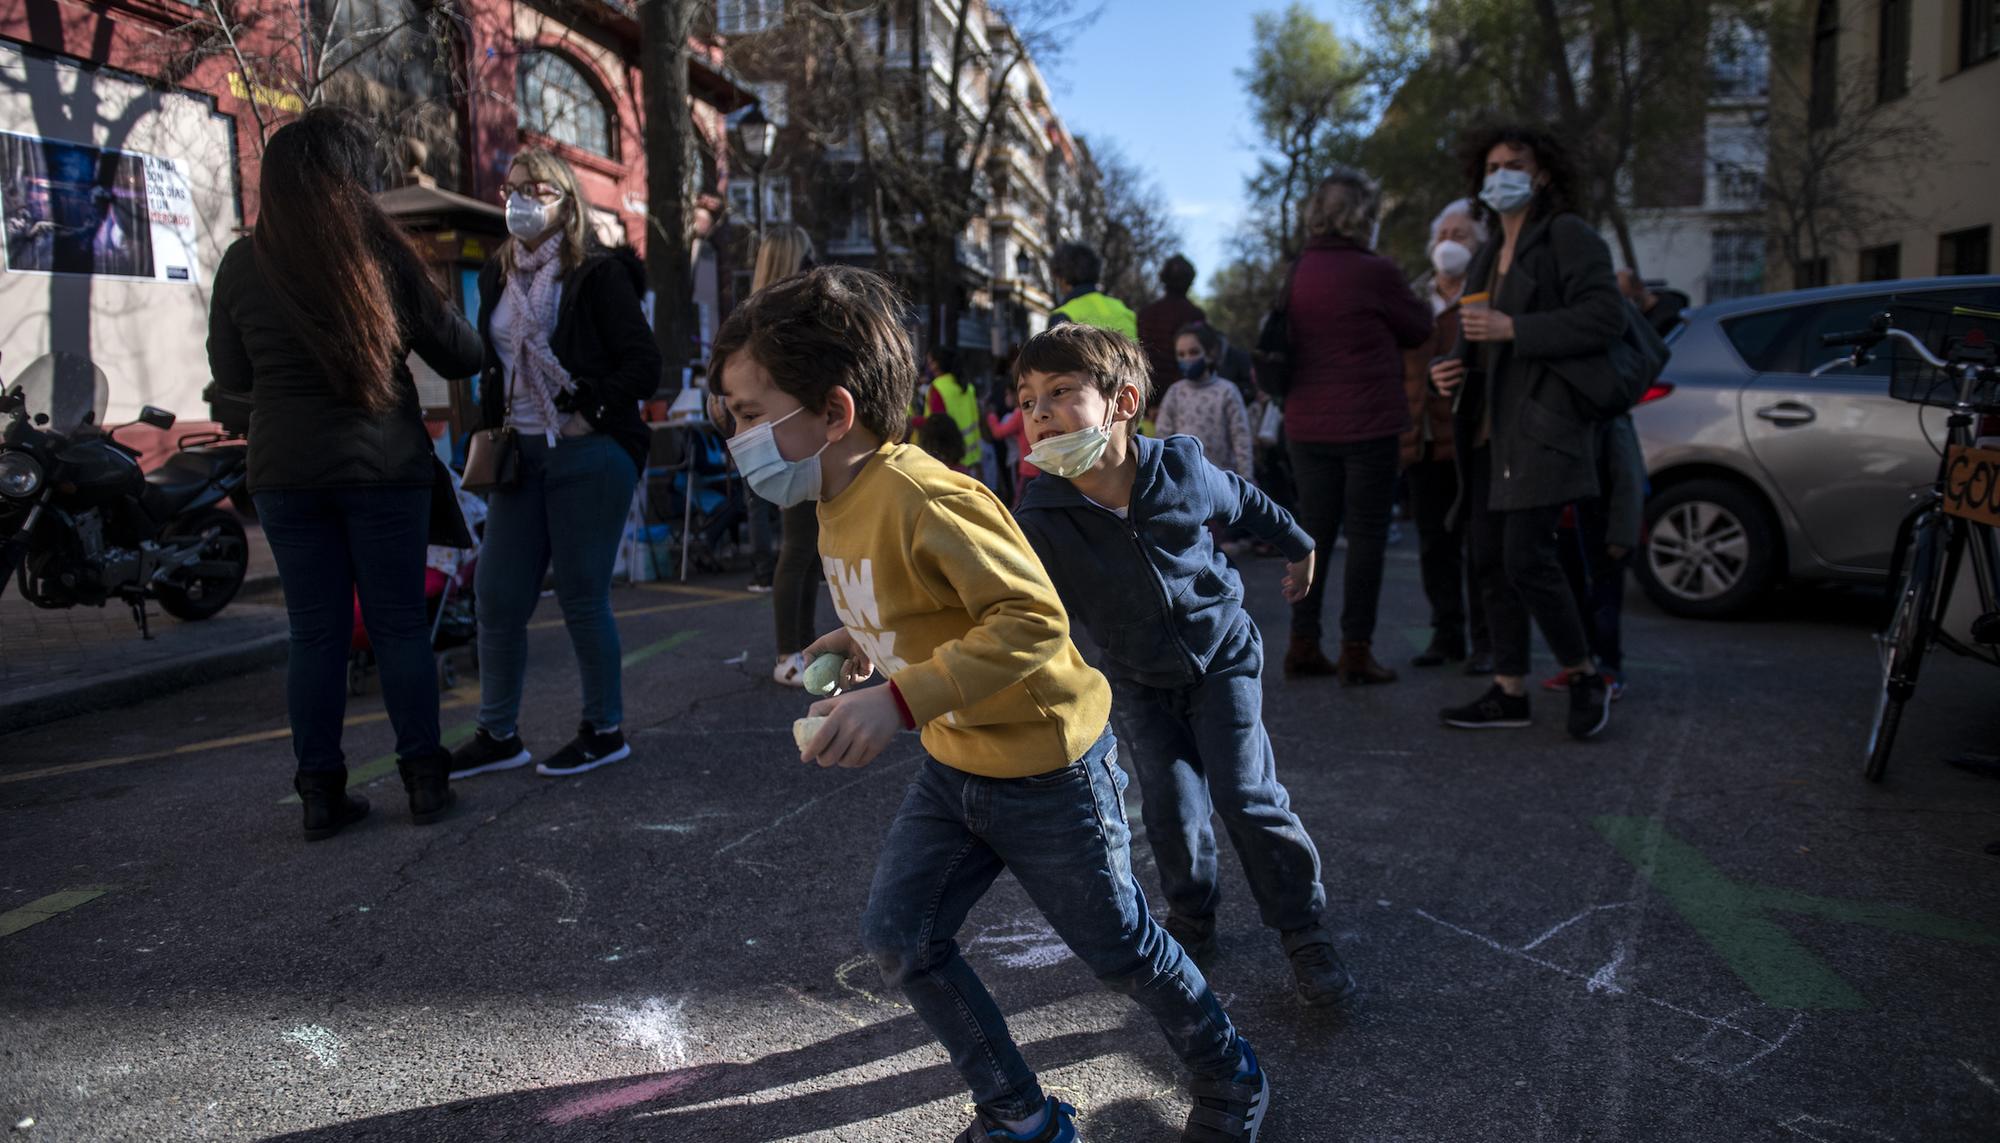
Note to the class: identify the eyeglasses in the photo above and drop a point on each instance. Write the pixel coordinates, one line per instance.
(545, 193)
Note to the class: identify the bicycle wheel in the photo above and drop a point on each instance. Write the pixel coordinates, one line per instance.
(1902, 642)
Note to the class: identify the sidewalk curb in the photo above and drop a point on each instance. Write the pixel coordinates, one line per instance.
(37, 705)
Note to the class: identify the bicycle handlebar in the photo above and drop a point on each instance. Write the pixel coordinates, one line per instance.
(1863, 337)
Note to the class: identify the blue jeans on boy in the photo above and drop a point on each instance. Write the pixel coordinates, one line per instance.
(1063, 834)
(332, 544)
(1202, 750)
(569, 510)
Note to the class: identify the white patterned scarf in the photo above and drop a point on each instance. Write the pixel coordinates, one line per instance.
(532, 289)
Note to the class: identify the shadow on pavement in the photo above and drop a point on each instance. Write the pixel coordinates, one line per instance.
(708, 1101)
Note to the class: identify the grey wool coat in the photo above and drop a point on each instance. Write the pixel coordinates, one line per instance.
(1567, 313)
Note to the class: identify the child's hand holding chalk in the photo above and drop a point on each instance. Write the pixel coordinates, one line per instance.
(854, 666)
(823, 677)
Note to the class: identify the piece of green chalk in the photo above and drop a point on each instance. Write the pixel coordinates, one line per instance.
(823, 676)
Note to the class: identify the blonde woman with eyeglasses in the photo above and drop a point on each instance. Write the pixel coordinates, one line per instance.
(569, 358)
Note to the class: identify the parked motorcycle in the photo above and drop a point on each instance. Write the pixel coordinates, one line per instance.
(80, 524)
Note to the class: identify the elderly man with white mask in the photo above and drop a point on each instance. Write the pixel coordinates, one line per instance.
(1428, 455)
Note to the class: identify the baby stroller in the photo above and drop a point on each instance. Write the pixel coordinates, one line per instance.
(449, 602)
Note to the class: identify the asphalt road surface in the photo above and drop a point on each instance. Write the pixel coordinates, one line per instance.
(1705, 926)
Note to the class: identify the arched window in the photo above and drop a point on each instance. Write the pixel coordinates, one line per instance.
(556, 99)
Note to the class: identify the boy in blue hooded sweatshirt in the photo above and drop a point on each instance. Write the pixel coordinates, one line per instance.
(1120, 521)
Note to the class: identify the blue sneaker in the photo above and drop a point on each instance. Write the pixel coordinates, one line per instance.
(1231, 1110)
(1059, 1128)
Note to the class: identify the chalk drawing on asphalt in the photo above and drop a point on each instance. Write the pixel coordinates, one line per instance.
(323, 1045)
(1021, 942)
(1729, 1045)
(653, 1025)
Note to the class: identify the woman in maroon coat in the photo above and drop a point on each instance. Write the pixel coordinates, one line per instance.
(1351, 316)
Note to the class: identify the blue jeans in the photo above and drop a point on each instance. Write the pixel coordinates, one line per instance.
(330, 545)
(1200, 751)
(568, 510)
(1063, 834)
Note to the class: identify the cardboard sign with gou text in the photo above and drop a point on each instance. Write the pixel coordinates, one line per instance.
(1972, 484)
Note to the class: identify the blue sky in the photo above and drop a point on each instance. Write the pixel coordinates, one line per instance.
(1159, 77)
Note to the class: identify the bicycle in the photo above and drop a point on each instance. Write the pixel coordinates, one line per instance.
(1952, 517)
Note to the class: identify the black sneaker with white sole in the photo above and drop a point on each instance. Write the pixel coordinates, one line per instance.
(1495, 710)
(485, 754)
(590, 749)
(1231, 1110)
(1589, 705)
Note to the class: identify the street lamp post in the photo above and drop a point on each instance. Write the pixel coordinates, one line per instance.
(755, 136)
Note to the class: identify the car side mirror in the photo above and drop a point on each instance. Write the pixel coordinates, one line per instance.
(157, 417)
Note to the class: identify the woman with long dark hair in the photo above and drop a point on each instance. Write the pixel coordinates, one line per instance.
(569, 357)
(313, 316)
(1540, 314)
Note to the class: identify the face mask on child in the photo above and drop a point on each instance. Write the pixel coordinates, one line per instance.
(1194, 370)
(786, 483)
(1072, 454)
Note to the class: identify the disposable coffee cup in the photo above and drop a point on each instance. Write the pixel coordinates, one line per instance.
(1479, 301)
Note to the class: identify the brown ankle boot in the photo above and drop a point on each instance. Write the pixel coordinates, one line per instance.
(1358, 667)
(1304, 659)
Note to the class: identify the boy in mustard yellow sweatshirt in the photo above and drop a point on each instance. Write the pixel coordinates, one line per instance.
(938, 589)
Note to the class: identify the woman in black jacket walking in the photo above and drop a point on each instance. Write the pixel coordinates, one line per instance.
(569, 358)
(313, 316)
(1540, 335)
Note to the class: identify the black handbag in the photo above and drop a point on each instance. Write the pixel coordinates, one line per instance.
(1274, 342)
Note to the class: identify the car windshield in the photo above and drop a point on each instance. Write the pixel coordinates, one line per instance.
(67, 387)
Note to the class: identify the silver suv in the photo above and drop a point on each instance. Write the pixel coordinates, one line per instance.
(1760, 471)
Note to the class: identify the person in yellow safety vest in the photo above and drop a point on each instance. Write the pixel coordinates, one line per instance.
(955, 399)
(1076, 268)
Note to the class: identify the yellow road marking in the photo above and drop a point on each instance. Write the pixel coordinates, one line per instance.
(35, 912)
(690, 589)
(452, 699)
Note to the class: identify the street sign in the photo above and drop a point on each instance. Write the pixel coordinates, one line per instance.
(1972, 484)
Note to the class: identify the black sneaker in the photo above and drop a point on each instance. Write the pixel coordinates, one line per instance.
(1589, 705)
(485, 754)
(1320, 979)
(1195, 935)
(1495, 710)
(1231, 1110)
(587, 751)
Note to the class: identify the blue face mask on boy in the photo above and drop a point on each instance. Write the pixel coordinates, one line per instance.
(786, 483)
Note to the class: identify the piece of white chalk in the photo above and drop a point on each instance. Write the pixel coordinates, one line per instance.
(804, 729)
(823, 676)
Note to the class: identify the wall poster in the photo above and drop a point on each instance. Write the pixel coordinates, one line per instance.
(71, 208)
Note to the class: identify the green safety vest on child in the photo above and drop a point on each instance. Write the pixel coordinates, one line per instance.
(961, 404)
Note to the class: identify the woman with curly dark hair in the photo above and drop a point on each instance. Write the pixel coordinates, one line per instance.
(1540, 311)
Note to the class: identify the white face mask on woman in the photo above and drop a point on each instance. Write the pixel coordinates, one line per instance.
(528, 220)
(1451, 257)
(1508, 191)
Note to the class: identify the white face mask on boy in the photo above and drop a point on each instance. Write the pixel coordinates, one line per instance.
(786, 483)
(1072, 454)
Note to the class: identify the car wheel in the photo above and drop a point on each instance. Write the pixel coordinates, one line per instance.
(1711, 549)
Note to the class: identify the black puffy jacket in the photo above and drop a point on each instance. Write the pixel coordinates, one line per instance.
(302, 433)
(601, 338)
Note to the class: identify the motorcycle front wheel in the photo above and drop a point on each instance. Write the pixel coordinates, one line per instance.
(206, 586)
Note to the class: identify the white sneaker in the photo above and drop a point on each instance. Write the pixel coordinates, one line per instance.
(790, 671)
